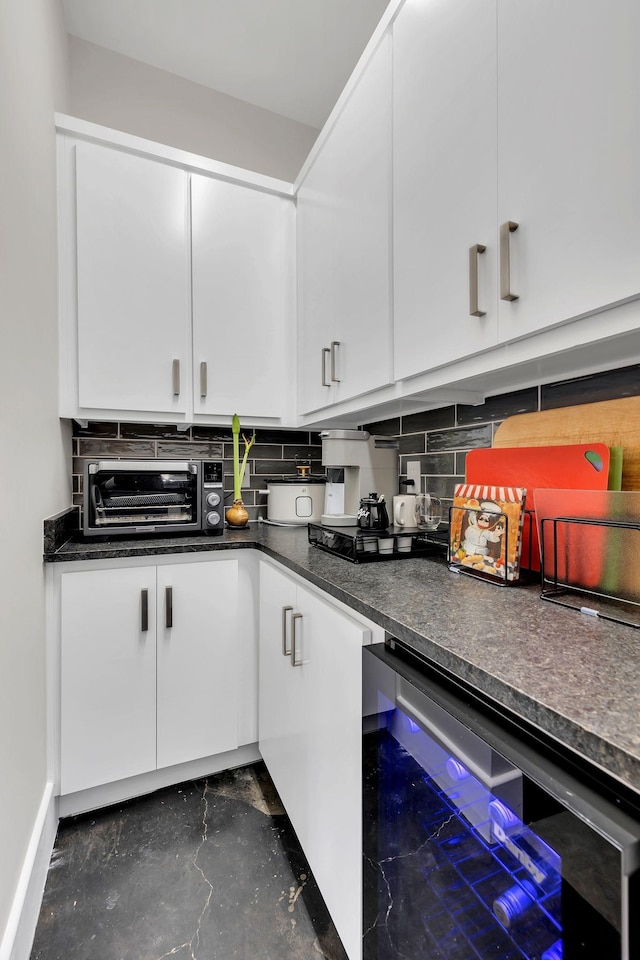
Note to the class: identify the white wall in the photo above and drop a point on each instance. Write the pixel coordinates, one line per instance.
(34, 453)
(125, 94)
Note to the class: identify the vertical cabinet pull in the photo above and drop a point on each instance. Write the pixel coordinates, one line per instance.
(285, 611)
(474, 252)
(175, 377)
(203, 379)
(334, 346)
(325, 351)
(144, 610)
(506, 229)
(168, 607)
(294, 656)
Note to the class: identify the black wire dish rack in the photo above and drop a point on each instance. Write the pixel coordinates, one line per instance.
(591, 565)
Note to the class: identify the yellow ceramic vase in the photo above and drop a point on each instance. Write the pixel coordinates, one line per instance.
(236, 515)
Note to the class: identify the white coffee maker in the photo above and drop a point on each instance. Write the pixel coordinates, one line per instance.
(357, 465)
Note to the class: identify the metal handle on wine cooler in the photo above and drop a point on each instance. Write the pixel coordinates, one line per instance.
(285, 611)
(294, 661)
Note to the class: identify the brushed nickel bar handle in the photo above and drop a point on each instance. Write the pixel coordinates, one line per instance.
(144, 610)
(203, 379)
(294, 662)
(175, 376)
(325, 351)
(505, 263)
(168, 607)
(334, 345)
(474, 251)
(285, 611)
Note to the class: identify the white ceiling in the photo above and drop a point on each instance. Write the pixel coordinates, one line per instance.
(289, 56)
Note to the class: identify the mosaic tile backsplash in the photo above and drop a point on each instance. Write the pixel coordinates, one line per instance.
(274, 454)
(439, 439)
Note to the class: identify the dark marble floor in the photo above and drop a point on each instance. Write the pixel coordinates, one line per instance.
(206, 870)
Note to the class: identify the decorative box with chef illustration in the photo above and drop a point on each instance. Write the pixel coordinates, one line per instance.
(486, 530)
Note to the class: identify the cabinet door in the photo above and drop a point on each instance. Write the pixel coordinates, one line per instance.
(314, 240)
(108, 676)
(197, 675)
(133, 282)
(344, 260)
(361, 146)
(279, 702)
(242, 242)
(329, 646)
(444, 181)
(310, 736)
(569, 154)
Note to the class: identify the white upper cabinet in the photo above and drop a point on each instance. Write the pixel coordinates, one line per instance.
(444, 182)
(516, 129)
(569, 155)
(132, 282)
(344, 248)
(242, 242)
(314, 240)
(177, 286)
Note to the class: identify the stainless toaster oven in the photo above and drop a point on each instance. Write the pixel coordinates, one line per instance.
(127, 497)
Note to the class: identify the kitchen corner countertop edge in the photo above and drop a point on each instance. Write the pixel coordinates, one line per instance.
(573, 677)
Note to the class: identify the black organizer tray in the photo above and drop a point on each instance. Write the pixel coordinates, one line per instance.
(365, 546)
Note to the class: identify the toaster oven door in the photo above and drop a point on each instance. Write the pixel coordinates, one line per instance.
(153, 496)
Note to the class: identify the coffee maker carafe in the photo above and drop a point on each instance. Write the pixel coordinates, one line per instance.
(372, 514)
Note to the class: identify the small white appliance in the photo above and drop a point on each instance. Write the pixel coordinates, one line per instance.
(296, 500)
(357, 464)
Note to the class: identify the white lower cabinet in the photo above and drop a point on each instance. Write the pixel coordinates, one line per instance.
(157, 666)
(197, 666)
(310, 723)
(149, 669)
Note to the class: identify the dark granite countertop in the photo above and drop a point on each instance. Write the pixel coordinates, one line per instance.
(575, 677)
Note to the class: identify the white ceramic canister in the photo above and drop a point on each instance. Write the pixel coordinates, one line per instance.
(404, 510)
(296, 500)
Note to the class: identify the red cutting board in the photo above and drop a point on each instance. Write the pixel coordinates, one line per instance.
(575, 466)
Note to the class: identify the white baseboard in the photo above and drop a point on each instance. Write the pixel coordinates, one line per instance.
(17, 938)
(102, 796)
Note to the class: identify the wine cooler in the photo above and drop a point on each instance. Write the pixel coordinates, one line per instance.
(479, 844)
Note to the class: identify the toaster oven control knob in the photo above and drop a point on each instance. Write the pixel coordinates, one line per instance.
(213, 518)
(213, 499)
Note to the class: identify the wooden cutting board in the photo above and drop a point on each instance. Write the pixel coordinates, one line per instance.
(616, 423)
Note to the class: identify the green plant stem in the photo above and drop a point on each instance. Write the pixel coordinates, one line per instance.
(238, 470)
(237, 479)
(247, 446)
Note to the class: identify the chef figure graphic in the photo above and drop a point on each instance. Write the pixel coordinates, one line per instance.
(485, 525)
